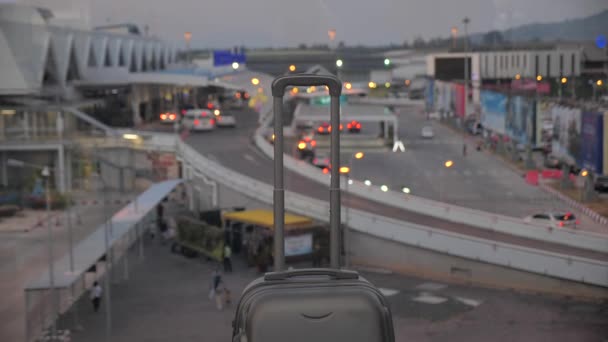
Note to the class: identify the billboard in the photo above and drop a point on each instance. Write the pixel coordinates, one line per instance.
(458, 99)
(592, 131)
(544, 123)
(298, 245)
(443, 97)
(566, 143)
(451, 68)
(493, 111)
(519, 121)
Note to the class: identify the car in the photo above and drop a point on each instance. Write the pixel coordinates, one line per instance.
(184, 108)
(325, 128)
(559, 219)
(199, 120)
(224, 119)
(306, 146)
(427, 132)
(321, 161)
(601, 184)
(168, 118)
(353, 126)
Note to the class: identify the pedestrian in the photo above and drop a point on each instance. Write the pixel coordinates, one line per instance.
(216, 280)
(227, 256)
(96, 292)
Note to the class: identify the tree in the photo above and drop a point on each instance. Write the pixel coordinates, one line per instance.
(302, 46)
(406, 44)
(341, 45)
(493, 38)
(419, 43)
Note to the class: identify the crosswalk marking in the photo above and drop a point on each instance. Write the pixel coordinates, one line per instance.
(388, 292)
(428, 298)
(467, 301)
(430, 286)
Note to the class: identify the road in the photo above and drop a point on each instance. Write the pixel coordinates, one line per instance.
(479, 180)
(234, 148)
(166, 300)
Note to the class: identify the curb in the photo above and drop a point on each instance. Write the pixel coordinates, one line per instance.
(578, 205)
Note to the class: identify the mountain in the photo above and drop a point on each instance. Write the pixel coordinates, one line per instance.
(587, 28)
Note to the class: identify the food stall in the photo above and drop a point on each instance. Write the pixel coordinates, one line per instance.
(251, 232)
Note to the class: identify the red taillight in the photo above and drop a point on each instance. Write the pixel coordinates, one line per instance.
(313, 143)
(172, 116)
(349, 126)
(212, 121)
(561, 223)
(341, 126)
(209, 105)
(329, 129)
(320, 129)
(246, 95)
(196, 122)
(183, 112)
(325, 170)
(204, 114)
(359, 126)
(163, 116)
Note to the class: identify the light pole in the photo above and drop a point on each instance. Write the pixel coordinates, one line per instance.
(345, 170)
(465, 21)
(447, 164)
(339, 64)
(109, 261)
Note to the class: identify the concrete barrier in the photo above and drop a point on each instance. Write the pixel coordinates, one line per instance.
(472, 217)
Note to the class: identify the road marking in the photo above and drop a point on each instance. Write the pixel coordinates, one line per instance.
(388, 292)
(251, 159)
(398, 146)
(428, 298)
(470, 302)
(431, 286)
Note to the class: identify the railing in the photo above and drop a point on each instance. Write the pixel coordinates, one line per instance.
(472, 217)
(527, 259)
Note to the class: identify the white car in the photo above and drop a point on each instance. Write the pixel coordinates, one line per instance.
(224, 119)
(561, 219)
(427, 132)
(199, 120)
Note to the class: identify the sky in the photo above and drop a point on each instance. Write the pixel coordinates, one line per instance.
(275, 23)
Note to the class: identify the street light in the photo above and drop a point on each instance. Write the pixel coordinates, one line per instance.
(292, 68)
(367, 182)
(255, 81)
(518, 77)
(188, 38)
(539, 78)
(387, 62)
(339, 63)
(584, 173)
(387, 84)
(130, 136)
(235, 65)
(348, 85)
(359, 155)
(372, 85)
(384, 188)
(599, 83)
(564, 80)
(405, 190)
(448, 164)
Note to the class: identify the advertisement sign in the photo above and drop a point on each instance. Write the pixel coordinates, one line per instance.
(566, 143)
(430, 95)
(458, 93)
(544, 123)
(592, 131)
(605, 146)
(519, 119)
(298, 245)
(493, 110)
(531, 85)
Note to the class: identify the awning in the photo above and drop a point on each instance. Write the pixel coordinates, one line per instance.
(265, 218)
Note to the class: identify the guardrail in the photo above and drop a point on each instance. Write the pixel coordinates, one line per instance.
(472, 217)
(527, 259)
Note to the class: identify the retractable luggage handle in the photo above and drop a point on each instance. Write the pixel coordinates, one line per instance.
(278, 91)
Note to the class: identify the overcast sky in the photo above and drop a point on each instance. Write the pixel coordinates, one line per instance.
(222, 23)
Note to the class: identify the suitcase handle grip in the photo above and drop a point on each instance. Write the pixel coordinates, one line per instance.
(280, 83)
(333, 273)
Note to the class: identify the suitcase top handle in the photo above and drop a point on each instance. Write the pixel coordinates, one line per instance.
(333, 273)
(280, 83)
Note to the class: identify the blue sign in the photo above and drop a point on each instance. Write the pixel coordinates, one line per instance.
(493, 111)
(227, 57)
(600, 41)
(592, 142)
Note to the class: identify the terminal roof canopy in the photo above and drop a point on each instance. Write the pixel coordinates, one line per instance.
(265, 218)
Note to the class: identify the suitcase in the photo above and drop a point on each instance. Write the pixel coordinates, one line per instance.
(313, 304)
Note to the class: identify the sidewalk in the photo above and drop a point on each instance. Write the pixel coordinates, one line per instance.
(24, 256)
